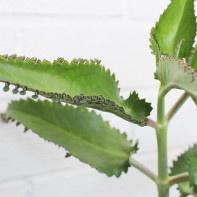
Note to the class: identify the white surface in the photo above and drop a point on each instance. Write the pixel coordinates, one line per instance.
(115, 31)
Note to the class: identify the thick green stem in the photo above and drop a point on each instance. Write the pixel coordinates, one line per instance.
(162, 153)
(161, 110)
(162, 179)
(161, 131)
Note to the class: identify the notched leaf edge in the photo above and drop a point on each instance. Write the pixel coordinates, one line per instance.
(92, 101)
(133, 148)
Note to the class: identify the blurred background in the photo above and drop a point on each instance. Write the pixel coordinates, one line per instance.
(116, 32)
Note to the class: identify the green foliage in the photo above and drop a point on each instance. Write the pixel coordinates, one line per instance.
(185, 189)
(178, 21)
(137, 106)
(192, 169)
(80, 83)
(180, 166)
(174, 73)
(84, 134)
(86, 83)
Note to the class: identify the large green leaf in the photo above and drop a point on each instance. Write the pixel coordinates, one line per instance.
(174, 73)
(180, 166)
(84, 134)
(178, 21)
(80, 83)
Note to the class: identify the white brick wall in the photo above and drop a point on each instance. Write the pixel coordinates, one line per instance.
(115, 31)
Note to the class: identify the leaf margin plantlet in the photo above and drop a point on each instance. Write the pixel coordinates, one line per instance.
(114, 104)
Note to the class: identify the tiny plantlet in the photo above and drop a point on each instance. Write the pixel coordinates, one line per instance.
(87, 84)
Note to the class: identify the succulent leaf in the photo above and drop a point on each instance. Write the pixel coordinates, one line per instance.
(174, 73)
(80, 82)
(84, 134)
(177, 21)
(180, 166)
(192, 169)
(138, 106)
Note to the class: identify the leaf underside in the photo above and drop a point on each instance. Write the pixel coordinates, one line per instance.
(177, 22)
(80, 82)
(180, 166)
(84, 134)
(173, 73)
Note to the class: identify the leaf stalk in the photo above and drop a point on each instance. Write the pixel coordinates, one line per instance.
(176, 106)
(178, 178)
(152, 123)
(142, 169)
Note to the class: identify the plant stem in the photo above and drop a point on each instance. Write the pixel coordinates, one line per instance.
(161, 131)
(161, 110)
(162, 179)
(176, 106)
(152, 123)
(142, 169)
(178, 178)
(162, 153)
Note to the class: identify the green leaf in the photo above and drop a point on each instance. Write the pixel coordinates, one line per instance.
(84, 134)
(80, 82)
(174, 73)
(180, 166)
(185, 189)
(192, 169)
(178, 21)
(138, 107)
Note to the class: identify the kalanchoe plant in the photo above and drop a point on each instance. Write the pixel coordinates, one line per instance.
(85, 83)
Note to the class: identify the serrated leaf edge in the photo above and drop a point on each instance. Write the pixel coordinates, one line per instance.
(133, 148)
(92, 101)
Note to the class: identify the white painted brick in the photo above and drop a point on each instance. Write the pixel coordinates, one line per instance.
(123, 47)
(27, 154)
(17, 188)
(91, 183)
(63, 7)
(9, 39)
(73, 183)
(146, 10)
